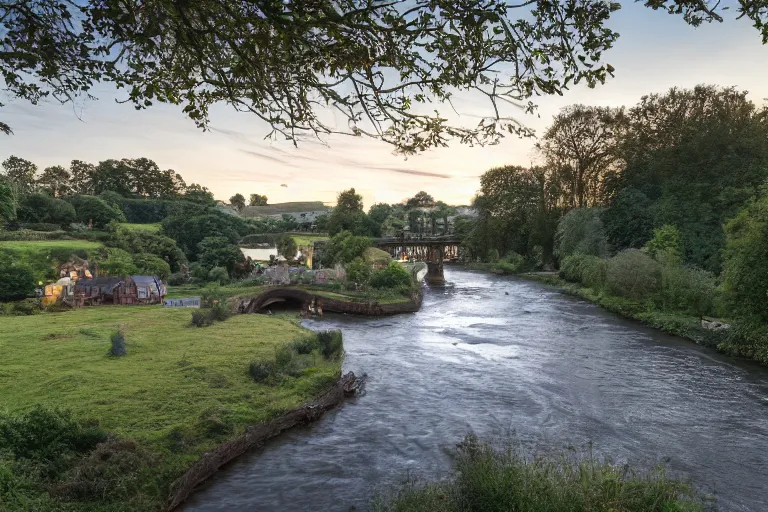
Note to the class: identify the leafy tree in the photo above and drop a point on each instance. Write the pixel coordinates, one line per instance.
(112, 175)
(42, 208)
(92, 209)
(286, 246)
(188, 232)
(358, 271)
(16, 282)
(238, 201)
(217, 251)
(289, 54)
(136, 241)
(666, 241)
(81, 177)
(7, 202)
(116, 262)
(442, 212)
(420, 200)
(199, 194)
(19, 171)
(698, 154)
(344, 247)
(378, 214)
(348, 202)
(257, 200)
(581, 231)
(629, 220)
(218, 275)
(745, 256)
(149, 264)
(55, 180)
(582, 145)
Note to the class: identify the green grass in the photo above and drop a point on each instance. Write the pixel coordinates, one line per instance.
(171, 379)
(34, 248)
(308, 239)
(151, 228)
(490, 479)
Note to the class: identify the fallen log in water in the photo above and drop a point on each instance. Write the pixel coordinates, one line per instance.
(255, 435)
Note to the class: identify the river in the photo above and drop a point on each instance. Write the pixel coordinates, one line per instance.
(551, 370)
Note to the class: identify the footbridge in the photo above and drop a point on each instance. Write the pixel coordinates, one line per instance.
(433, 251)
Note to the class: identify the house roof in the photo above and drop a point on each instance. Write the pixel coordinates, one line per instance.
(111, 282)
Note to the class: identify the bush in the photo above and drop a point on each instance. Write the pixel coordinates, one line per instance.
(201, 318)
(688, 289)
(570, 267)
(633, 274)
(262, 371)
(47, 435)
(152, 265)
(343, 248)
(581, 230)
(286, 246)
(118, 344)
(358, 271)
(40, 226)
(177, 279)
(16, 282)
(198, 271)
(41, 208)
(89, 208)
(220, 311)
(306, 345)
(393, 275)
(493, 256)
(594, 272)
(114, 470)
(218, 275)
(505, 478)
(666, 240)
(745, 256)
(331, 343)
(116, 262)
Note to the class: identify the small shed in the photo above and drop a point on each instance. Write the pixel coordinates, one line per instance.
(149, 289)
(119, 290)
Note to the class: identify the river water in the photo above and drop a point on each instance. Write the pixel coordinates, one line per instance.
(551, 370)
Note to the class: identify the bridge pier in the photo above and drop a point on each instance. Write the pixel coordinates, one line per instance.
(435, 273)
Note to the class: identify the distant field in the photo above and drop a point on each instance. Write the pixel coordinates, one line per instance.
(152, 228)
(280, 208)
(36, 247)
(307, 239)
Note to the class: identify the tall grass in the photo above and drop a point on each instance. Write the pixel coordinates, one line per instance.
(491, 479)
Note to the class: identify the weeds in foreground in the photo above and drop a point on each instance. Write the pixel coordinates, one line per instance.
(492, 479)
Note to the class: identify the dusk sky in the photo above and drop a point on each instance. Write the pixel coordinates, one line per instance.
(655, 52)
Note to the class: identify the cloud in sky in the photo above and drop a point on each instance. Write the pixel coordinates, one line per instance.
(655, 52)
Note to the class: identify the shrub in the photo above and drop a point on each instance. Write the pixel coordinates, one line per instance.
(306, 345)
(198, 271)
(89, 208)
(41, 208)
(666, 240)
(177, 279)
(358, 271)
(16, 282)
(688, 288)
(118, 344)
(570, 267)
(493, 256)
(218, 275)
(492, 478)
(152, 265)
(116, 262)
(331, 343)
(286, 246)
(594, 272)
(581, 230)
(262, 371)
(114, 470)
(201, 318)
(46, 435)
(343, 248)
(393, 275)
(219, 311)
(633, 274)
(40, 226)
(745, 269)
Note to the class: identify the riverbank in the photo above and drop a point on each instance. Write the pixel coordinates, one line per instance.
(178, 393)
(678, 324)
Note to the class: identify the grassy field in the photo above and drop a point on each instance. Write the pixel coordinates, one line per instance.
(34, 248)
(307, 239)
(173, 384)
(152, 228)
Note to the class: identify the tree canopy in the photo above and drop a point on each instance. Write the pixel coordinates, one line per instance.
(379, 64)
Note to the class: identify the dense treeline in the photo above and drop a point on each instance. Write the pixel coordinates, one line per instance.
(662, 202)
